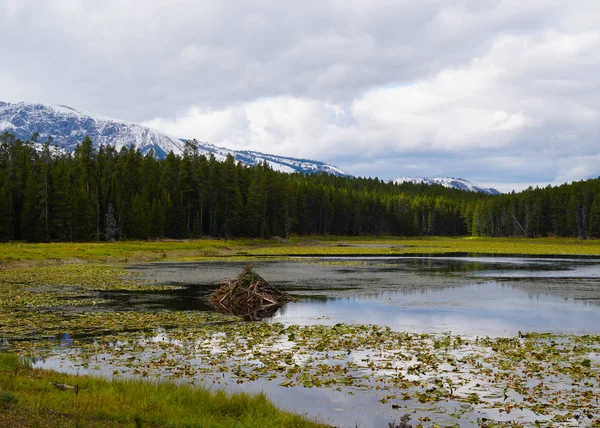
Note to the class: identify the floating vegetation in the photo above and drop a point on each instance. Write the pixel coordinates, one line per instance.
(528, 380)
(82, 276)
(39, 398)
(403, 422)
(248, 295)
(25, 326)
(53, 299)
(437, 378)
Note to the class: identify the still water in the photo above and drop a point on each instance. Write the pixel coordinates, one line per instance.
(470, 296)
(493, 296)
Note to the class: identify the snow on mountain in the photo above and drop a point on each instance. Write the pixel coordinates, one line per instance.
(456, 183)
(68, 127)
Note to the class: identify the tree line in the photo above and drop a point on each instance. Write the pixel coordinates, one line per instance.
(97, 194)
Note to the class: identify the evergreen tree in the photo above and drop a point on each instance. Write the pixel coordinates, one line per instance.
(231, 200)
(31, 212)
(594, 231)
(85, 195)
(46, 195)
(157, 219)
(111, 231)
(140, 215)
(5, 218)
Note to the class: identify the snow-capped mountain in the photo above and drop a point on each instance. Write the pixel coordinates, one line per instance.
(456, 183)
(68, 127)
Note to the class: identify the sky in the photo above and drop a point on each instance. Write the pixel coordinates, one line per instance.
(504, 93)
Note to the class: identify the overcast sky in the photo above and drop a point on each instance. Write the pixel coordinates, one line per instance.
(503, 93)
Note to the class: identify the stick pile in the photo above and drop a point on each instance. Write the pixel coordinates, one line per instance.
(248, 296)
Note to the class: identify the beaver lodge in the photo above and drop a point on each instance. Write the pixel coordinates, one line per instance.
(248, 295)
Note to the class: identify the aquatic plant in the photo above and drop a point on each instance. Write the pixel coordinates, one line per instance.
(536, 374)
(33, 397)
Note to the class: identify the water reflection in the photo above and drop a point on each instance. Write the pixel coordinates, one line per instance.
(492, 308)
(463, 295)
(336, 407)
(473, 296)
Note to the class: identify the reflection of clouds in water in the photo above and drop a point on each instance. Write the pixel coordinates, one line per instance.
(344, 409)
(556, 272)
(398, 357)
(336, 407)
(431, 293)
(66, 340)
(487, 309)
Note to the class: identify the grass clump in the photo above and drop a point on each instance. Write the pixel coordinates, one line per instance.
(33, 397)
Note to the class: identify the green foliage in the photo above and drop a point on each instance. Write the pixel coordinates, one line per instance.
(468, 373)
(218, 249)
(594, 231)
(32, 397)
(8, 398)
(50, 196)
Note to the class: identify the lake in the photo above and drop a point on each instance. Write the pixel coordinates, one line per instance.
(494, 296)
(444, 297)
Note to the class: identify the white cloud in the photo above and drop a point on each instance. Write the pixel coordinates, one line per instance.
(496, 91)
(285, 125)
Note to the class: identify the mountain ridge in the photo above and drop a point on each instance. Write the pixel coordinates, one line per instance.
(69, 126)
(450, 182)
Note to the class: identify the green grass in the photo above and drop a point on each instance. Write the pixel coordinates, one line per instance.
(47, 289)
(29, 397)
(549, 374)
(47, 300)
(212, 249)
(120, 252)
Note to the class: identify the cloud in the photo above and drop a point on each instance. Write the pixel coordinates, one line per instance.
(485, 120)
(496, 91)
(285, 125)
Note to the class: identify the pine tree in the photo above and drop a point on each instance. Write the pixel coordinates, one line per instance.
(594, 231)
(140, 216)
(230, 200)
(31, 213)
(85, 196)
(476, 222)
(111, 232)
(188, 185)
(5, 218)
(256, 205)
(62, 201)
(575, 215)
(157, 219)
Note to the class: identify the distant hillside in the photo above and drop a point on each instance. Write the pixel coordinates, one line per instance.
(456, 183)
(68, 127)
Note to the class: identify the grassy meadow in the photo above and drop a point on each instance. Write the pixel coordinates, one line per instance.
(48, 289)
(212, 249)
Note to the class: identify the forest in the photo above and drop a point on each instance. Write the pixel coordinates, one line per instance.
(101, 194)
